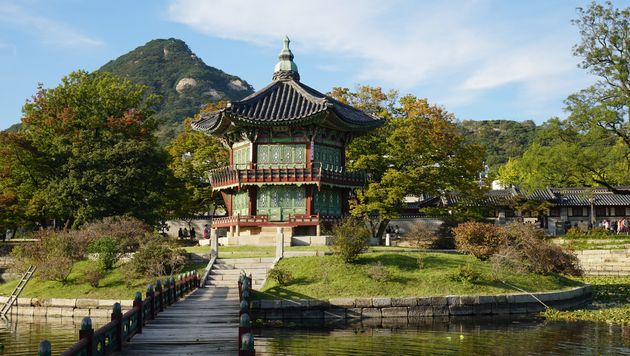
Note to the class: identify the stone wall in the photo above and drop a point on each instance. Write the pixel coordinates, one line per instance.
(56, 307)
(605, 262)
(363, 308)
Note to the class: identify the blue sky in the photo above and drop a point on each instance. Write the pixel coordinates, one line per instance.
(481, 59)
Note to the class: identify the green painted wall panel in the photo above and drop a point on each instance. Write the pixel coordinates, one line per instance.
(327, 201)
(240, 203)
(281, 155)
(281, 201)
(241, 157)
(330, 156)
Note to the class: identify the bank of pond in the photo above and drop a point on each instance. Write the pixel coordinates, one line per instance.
(517, 335)
(392, 276)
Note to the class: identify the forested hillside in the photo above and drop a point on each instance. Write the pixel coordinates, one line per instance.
(169, 68)
(501, 138)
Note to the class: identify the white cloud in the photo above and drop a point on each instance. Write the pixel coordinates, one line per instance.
(49, 31)
(466, 46)
(395, 52)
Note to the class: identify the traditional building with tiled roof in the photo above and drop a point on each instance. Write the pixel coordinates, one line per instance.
(287, 157)
(568, 207)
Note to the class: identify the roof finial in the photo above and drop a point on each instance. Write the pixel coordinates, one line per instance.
(286, 69)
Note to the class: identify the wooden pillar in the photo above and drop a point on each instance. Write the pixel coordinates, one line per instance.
(309, 200)
(254, 154)
(345, 204)
(253, 192)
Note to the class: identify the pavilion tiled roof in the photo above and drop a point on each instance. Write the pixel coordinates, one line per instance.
(287, 101)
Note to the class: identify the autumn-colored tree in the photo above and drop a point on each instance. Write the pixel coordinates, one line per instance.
(192, 155)
(86, 151)
(418, 151)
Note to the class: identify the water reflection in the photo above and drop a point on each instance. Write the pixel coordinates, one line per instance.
(21, 335)
(457, 336)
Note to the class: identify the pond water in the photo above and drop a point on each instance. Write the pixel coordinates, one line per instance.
(22, 335)
(455, 336)
(464, 336)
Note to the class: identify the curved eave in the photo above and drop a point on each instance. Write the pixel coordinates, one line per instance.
(215, 123)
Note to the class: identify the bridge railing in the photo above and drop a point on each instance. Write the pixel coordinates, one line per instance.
(245, 336)
(112, 336)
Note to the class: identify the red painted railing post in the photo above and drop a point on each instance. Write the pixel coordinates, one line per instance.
(151, 297)
(160, 294)
(137, 304)
(117, 316)
(87, 332)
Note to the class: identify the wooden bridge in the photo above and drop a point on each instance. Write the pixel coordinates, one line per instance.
(205, 321)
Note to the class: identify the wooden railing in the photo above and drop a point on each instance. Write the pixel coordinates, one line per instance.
(263, 220)
(112, 336)
(245, 336)
(304, 219)
(317, 172)
(242, 220)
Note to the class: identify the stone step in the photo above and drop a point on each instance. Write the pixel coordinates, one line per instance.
(246, 267)
(237, 272)
(221, 283)
(220, 277)
(244, 260)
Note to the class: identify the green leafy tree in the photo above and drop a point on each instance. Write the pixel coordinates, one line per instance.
(192, 155)
(87, 151)
(605, 52)
(562, 154)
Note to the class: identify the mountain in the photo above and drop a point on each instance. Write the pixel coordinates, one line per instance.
(169, 68)
(501, 138)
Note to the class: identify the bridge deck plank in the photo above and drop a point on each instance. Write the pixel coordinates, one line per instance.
(204, 323)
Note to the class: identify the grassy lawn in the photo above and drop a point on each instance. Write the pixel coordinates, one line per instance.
(611, 302)
(407, 274)
(113, 286)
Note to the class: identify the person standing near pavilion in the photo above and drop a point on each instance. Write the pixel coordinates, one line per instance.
(193, 233)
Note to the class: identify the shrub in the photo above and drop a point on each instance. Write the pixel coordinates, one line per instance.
(108, 252)
(54, 254)
(421, 235)
(479, 239)
(378, 272)
(595, 233)
(128, 232)
(349, 239)
(536, 254)
(157, 257)
(466, 274)
(280, 275)
(93, 276)
(519, 246)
